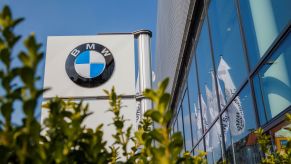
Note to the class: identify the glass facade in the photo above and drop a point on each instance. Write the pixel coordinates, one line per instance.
(238, 80)
(273, 82)
(263, 21)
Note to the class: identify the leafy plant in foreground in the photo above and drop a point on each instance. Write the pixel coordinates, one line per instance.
(264, 140)
(151, 145)
(18, 144)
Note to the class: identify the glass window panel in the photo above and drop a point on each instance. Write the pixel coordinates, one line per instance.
(187, 122)
(227, 45)
(193, 101)
(176, 115)
(213, 140)
(273, 81)
(208, 97)
(180, 124)
(260, 105)
(240, 142)
(263, 21)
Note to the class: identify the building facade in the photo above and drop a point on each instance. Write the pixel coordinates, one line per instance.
(228, 61)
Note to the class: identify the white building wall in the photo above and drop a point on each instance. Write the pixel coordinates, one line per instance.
(171, 22)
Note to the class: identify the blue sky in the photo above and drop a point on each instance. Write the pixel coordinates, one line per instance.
(80, 17)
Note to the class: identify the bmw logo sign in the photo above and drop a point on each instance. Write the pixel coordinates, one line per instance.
(90, 65)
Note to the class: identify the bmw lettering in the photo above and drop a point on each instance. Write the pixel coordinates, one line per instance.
(90, 65)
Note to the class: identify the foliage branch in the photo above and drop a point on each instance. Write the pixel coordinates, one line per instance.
(282, 156)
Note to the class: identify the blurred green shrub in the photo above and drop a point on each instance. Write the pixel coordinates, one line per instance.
(282, 156)
(65, 139)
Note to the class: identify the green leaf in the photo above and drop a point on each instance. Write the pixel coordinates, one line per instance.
(24, 58)
(156, 116)
(1, 74)
(6, 17)
(16, 94)
(7, 110)
(156, 134)
(10, 37)
(27, 76)
(167, 117)
(163, 85)
(151, 94)
(6, 83)
(163, 102)
(15, 72)
(31, 44)
(6, 12)
(177, 138)
(148, 113)
(128, 131)
(41, 91)
(17, 21)
(14, 40)
(29, 107)
(118, 124)
(5, 56)
(106, 91)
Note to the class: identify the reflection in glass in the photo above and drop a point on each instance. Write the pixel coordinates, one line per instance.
(273, 81)
(208, 96)
(193, 101)
(186, 119)
(227, 43)
(281, 133)
(263, 21)
(236, 115)
(242, 146)
(214, 145)
(211, 100)
(197, 124)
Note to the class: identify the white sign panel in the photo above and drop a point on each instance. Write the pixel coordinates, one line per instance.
(82, 66)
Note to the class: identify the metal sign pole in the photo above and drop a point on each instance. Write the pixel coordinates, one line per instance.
(144, 62)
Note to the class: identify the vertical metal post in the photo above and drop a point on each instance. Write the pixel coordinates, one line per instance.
(144, 66)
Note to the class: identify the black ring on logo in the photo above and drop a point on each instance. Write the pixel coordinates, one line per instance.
(90, 82)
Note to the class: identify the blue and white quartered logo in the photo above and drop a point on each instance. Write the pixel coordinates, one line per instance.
(90, 65)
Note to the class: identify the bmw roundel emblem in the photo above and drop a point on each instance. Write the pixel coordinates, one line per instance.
(90, 65)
